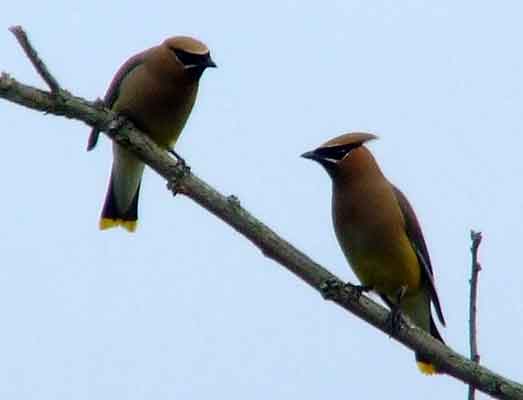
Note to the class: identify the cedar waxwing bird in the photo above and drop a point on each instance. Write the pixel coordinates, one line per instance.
(156, 90)
(379, 233)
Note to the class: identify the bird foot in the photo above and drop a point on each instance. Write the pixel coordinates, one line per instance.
(174, 184)
(395, 318)
(394, 321)
(358, 290)
(180, 160)
(329, 288)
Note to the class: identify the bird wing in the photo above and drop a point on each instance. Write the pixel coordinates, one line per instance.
(112, 93)
(415, 236)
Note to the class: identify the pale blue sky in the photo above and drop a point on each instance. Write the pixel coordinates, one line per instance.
(186, 308)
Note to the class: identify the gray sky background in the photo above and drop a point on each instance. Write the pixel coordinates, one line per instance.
(188, 309)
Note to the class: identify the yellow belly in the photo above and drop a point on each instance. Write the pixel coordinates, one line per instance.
(387, 269)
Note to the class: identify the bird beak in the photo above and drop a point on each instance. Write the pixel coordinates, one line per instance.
(311, 155)
(211, 63)
(329, 165)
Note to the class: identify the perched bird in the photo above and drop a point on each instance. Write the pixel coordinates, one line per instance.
(155, 90)
(379, 233)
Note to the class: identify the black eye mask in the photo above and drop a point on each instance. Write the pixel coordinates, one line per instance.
(336, 152)
(190, 59)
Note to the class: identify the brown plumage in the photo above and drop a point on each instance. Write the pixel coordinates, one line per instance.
(379, 233)
(156, 90)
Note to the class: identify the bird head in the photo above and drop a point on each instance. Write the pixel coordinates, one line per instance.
(186, 55)
(335, 154)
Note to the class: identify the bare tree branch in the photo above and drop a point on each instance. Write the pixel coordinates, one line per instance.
(273, 246)
(473, 334)
(37, 62)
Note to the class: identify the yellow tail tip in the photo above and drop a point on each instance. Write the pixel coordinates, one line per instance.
(108, 223)
(426, 368)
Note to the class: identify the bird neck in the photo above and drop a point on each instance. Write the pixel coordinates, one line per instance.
(359, 185)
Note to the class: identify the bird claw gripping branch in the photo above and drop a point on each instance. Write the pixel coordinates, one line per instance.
(358, 290)
(180, 160)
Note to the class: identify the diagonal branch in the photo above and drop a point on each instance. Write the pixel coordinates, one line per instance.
(273, 246)
(473, 334)
(37, 62)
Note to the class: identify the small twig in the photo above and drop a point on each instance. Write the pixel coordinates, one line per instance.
(473, 334)
(37, 62)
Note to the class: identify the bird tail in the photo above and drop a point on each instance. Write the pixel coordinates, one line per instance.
(121, 202)
(113, 217)
(417, 308)
(424, 365)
